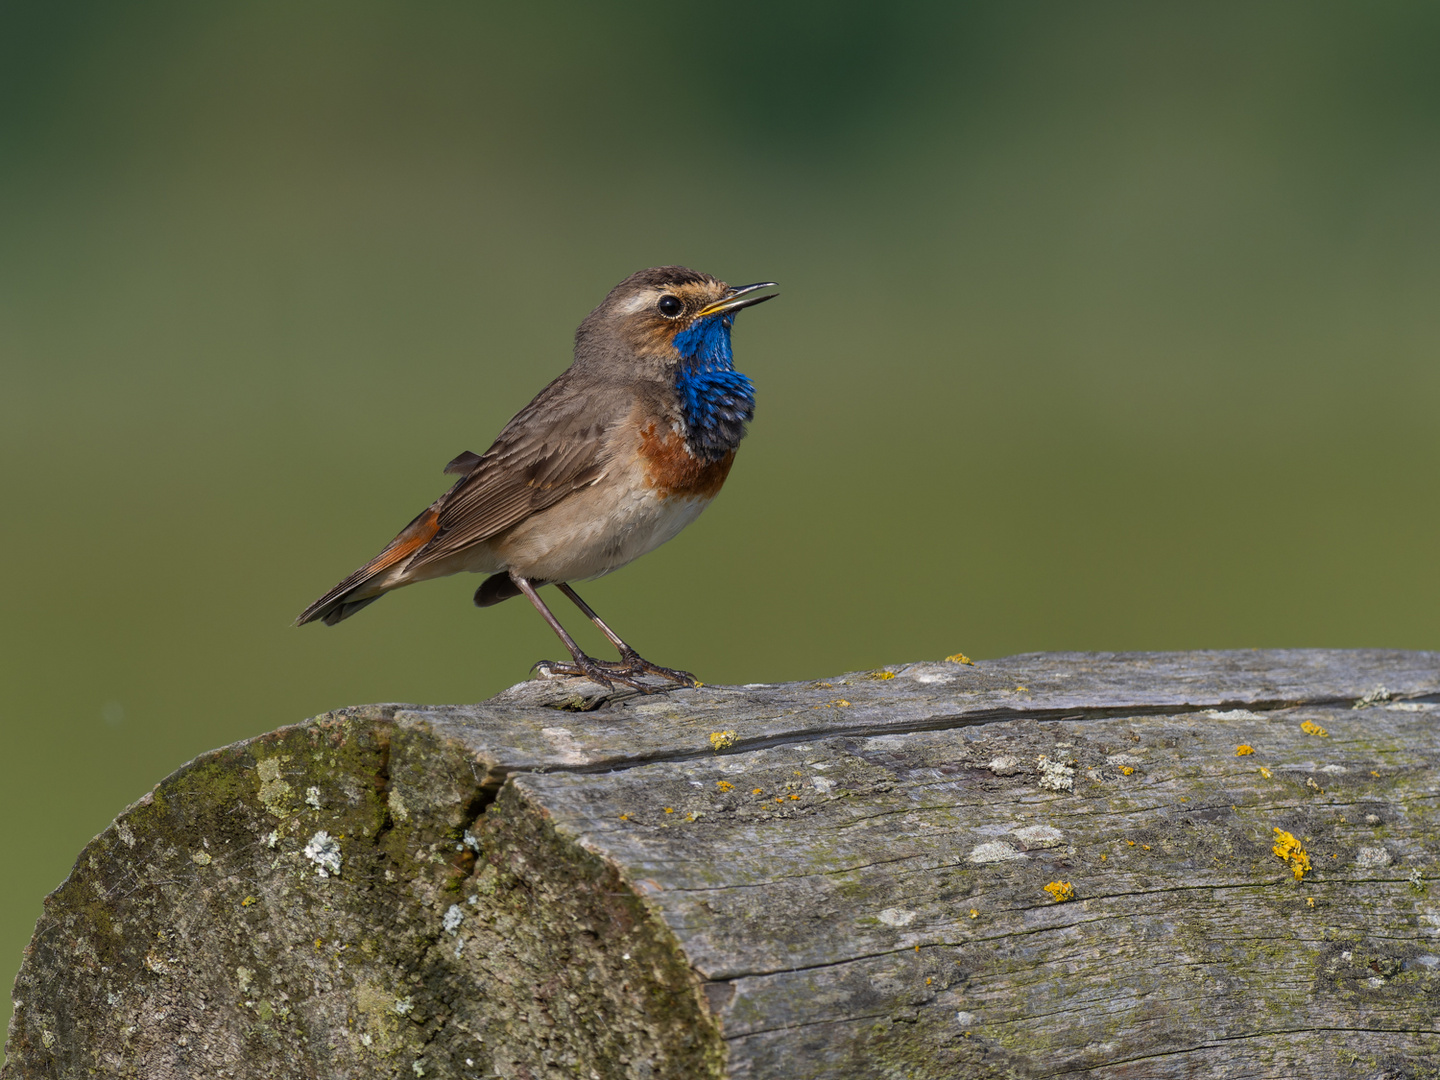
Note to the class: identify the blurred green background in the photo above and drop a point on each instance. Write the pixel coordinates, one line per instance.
(1103, 326)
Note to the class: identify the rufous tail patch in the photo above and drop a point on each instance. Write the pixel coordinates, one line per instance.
(414, 536)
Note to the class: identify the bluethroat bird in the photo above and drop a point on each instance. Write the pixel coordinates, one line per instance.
(609, 461)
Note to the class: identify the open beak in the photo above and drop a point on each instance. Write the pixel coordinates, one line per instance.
(740, 297)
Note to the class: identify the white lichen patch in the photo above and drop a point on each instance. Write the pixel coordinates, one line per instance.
(966, 1019)
(1122, 759)
(1039, 836)
(1004, 766)
(245, 977)
(894, 916)
(396, 802)
(324, 851)
(1378, 696)
(127, 837)
(403, 1005)
(274, 790)
(995, 851)
(1334, 769)
(1233, 714)
(201, 858)
(1055, 775)
(312, 797)
(822, 785)
(272, 838)
(1372, 857)
(453, 918)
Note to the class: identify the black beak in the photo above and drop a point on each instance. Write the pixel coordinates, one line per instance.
(741, 297)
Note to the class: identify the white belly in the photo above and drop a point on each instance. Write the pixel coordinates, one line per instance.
(581, 539)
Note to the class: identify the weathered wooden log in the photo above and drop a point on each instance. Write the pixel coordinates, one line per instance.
(869, 876)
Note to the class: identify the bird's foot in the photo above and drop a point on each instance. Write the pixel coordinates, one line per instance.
(597, 671)
(632, 663)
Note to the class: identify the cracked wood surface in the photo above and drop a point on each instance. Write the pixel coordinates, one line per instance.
(842, 879)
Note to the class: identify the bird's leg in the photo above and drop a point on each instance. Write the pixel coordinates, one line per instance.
(582, 665)
(633, 662)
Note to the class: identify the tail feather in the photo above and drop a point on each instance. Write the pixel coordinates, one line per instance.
(344, 610)
(361, 588)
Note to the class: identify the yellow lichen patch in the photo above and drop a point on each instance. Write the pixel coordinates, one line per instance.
(758, 791)
(880, 675)
(1310, 901)
(1312, 728)
(1292, 853)
(1265, 772)
(1061, 891)
(838, 703)
(249, 901)
(1022, 689)
(1243, 751)
(724, 785)
(624, 817)
(721, 740)
(974, 913)
(669, 809)
(1126, 770)
(959, 658)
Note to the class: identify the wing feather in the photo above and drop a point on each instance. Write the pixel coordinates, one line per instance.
(552, 448)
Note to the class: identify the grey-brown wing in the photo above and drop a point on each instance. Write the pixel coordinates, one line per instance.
(551, 449)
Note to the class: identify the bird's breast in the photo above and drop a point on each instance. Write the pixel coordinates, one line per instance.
(673, 471)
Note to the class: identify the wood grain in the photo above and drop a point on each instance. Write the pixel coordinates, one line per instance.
(844, 878)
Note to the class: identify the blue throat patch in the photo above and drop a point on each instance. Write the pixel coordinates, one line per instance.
(715, 399)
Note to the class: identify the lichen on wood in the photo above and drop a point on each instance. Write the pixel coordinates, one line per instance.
(1051, 865)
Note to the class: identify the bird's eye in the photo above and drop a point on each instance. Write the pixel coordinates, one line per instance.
(670, 306)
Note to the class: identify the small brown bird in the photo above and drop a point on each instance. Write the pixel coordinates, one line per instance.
(613, 458)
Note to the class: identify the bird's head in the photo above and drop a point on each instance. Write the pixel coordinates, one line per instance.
(664, 317)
